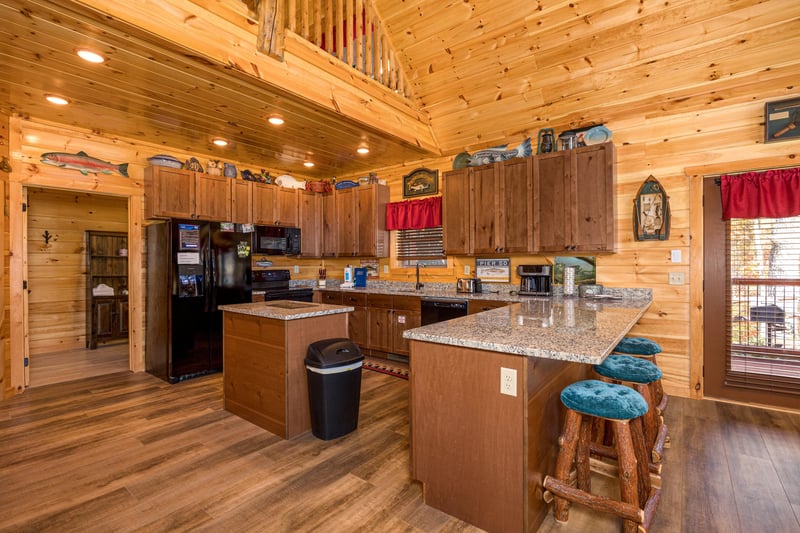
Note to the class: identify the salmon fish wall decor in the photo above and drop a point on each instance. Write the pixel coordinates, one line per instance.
(83, 163)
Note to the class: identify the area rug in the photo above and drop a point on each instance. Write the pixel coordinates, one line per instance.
(384, 366)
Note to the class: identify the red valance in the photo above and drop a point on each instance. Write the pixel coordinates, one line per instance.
(414, 214)
(770, 194)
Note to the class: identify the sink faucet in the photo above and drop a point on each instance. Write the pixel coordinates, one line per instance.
(419, 285)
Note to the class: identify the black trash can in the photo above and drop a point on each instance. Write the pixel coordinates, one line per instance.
(333, 368)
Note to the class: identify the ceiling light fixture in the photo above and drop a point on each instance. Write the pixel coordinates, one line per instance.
(57, 100)
(308, 164)
(275, 120)
(90, 56)
(362, 150)
(220, 141)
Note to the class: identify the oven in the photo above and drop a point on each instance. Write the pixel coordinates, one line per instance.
(441, 309)
(274, 285)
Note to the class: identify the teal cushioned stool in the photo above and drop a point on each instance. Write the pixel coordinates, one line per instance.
(622, 408)
(641, 375)
(643, 347)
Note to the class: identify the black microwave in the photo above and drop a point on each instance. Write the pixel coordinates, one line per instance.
(277, 240)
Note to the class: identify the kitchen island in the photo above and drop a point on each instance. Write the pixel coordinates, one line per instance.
(264, 347)
(480, 454)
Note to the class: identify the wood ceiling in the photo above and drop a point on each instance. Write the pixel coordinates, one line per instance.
(482, 73)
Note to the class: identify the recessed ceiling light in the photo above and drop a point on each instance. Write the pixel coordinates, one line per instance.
(57, 100)
(275, 120)
(362, 150)
(308, 164)
(90, 56)
(220, 142)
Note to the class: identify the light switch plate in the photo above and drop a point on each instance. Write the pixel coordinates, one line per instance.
(297, 269)
(676, 278)
(675, 256)
(385, 269)
(466, 270)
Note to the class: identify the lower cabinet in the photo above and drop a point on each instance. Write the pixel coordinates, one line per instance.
(110, 319)
(357, 328)
(389, 316)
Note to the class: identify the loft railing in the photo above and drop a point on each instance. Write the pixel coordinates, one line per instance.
(349, 30)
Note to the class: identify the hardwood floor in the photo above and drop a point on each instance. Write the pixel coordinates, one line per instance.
(125, 452)
(58, 367)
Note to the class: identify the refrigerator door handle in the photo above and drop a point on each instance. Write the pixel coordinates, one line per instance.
(206, 277)
(213, 285)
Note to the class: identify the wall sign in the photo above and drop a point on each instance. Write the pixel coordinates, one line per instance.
(420, 182)
(782, 120)
(651, 215)
(493, 270)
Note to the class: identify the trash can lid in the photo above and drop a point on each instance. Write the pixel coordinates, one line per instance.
(333, 352)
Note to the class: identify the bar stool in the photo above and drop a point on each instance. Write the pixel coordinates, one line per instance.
(639, 374)
(622, 408)
(645, 348)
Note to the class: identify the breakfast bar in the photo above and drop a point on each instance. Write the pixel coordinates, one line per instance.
(485, 409)
(264, 347)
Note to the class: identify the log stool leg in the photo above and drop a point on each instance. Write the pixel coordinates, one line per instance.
(568, 443)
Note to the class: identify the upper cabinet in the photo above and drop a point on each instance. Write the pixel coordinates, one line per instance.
(574, 192)
(310, 223)
(241, 201)
(489, 209)
(354, 222)
(373, 239)
(175, 193)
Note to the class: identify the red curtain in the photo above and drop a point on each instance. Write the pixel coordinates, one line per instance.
(414, 214)
(770, 194)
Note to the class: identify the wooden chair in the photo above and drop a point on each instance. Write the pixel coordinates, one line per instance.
(622, 408)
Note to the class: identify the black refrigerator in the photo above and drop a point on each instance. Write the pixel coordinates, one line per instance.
(193, 267)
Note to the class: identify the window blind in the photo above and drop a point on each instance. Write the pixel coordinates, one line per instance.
(419, 244)
(763, 304)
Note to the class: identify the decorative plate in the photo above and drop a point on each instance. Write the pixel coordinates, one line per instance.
(345, 184)
(597, 135)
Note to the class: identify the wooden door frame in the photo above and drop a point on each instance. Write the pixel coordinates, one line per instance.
(30, 175)
(696, 176)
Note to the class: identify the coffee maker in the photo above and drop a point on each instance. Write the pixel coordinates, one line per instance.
(535, 280)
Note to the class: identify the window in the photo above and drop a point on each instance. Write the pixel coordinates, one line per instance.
(423, 246)
(764, 303)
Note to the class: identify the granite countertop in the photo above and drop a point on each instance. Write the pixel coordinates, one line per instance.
(566, 328)
(286, 309)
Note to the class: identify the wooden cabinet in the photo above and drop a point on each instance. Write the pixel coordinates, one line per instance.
(389, 316)
(489, 209)
(176, 193)
(264, 200)
(455, 212)
(330, 243)
(372, 237)
(346, 222)
(310, 223)
(286, 207)
(241, 201)
(574, 192)
(357, 325)
(106, 287)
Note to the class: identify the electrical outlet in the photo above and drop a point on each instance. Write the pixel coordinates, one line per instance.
(508, 381)
(676, 278)
(297, 269)
(385, 269)
(466, 270)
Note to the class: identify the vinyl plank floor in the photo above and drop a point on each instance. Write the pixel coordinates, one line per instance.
(128, 452)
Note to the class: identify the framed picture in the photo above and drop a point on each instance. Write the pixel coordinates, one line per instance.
(651, 216)
(782, 120)
(420, 182)
(585, 269)
(493, 270)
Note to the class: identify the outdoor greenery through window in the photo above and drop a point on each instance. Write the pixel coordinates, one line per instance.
(764, 303)
(423, 246)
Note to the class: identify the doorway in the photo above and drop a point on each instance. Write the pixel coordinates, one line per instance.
(751, 302)
(59, 301)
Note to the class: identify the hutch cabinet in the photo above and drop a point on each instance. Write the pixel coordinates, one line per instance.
(106, 287)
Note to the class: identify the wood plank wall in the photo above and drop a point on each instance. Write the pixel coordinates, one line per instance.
(5, 370)
(57, 269)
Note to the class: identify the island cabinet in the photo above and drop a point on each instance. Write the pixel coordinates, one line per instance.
(176, 193)
(310, 223)
(274, 205)
(479, 306)
(574, 192)
(389, 316)
(264, 371)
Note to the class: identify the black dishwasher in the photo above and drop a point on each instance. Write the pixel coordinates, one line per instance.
(441, 309)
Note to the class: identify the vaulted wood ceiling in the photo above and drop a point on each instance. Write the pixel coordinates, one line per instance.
(482, 73)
